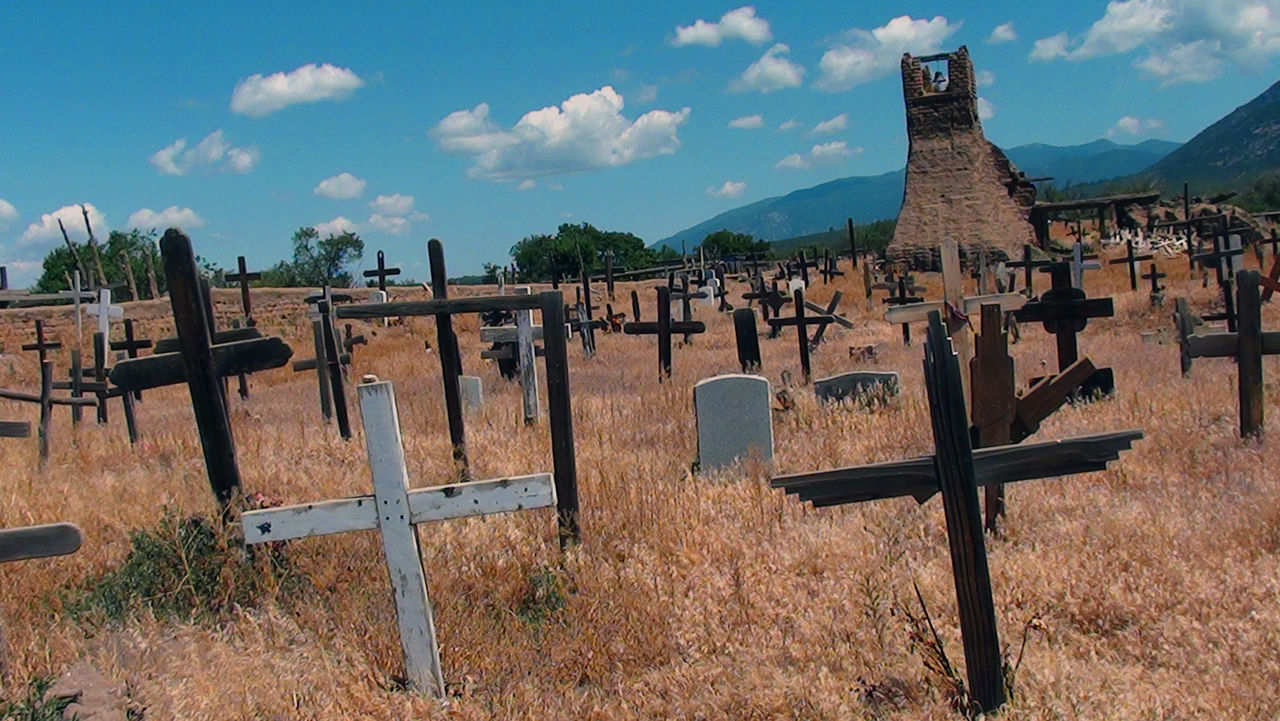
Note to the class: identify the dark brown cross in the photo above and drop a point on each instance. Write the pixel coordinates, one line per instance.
(956, 470)
(1064, 311)
(1028, 268)
(1271, 281)
(802, 265)
(747, 340)
(998, 415)
(829, 270)
(663, 328)
(1247, 345)
(41, 346)
(560, 411)
(52, 539)
(853, 241)
(243, 277)
(802, 323)
(1221, 257)
(331, 388)
(905, 296)
(771, 301)
(200, 364)
(1131, 259)
(382, 272)
(1157, 290)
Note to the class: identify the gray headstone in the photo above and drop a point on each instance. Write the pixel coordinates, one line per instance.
(734, 419)
(848, 385)
(472, 392)
(710, 290)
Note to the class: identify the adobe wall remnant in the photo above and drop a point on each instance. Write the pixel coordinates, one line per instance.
(958, 184)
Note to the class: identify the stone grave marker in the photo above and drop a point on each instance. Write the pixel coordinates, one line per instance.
(733, 418)
(851, 385)
(472, 390)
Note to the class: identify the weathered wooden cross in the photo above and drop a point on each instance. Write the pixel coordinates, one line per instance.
(1247, 345)
(1028, 269)
(382, 272)
(1080, 262)
(747, 340)
(1157, 290)
(242, 278)
(1131, 259)
(663, 327)
(394, 510)
(905, 296)
(1064, 311)
(956, 470)
(802, 323)
(41, 346)
(523, 336)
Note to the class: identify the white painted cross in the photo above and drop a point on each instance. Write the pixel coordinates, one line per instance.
(393, 510)
(105, 312)
(955, 307)
(1079, 266)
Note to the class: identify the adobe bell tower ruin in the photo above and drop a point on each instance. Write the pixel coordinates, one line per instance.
(958, 184)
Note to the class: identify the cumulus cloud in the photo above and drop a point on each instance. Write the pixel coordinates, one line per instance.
(8, 213)
(585, 132)
(986, 110)
(171, 217)
(645, 94)
(834, 125)
(771, 72)
(258, 96)
(527, 185)
(747, 122)
(46, 229)
(1003, 34)
(1134, 126)
(395, 204)
(343, 186)
(337, 226)
(730, 189)
(741, 24)
(1180, 41)
(214, 152)
(986, 78)
(791, 124)
(864, 55)
(823, 154)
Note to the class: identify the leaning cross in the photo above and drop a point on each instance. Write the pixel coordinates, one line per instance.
(802, 323)
(905, 296)
(957, 470)
(394, 510)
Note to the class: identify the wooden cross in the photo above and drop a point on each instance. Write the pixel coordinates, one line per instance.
(243, 277)
(105, 312)
(957, 307)
(46, 400)
(394, 510)
(956, 470)
(200, 363)
(41, 346)
(1131, 259)
(663, 328)
(131, 345)
(771, 301)
(829, 268)
(523, 335)
(1028, 268)
(1157, 290)
(327, 358)
(1079, 264)
(905, 296)
(801, 323)
(1223, 257)
(382, 272)
(1064, 310)
(1247, 345)
(608, 257)
(999, 416)
(803, 266)
(829, 311)
(853, 241)
(559, 406)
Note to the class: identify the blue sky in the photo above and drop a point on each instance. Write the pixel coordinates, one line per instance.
(481, 123)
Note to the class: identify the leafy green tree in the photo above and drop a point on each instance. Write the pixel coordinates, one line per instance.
(132, 248)
(317, 261)
(727, 242)
(579, 245)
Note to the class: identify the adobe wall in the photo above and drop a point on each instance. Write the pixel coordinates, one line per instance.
(957, 183)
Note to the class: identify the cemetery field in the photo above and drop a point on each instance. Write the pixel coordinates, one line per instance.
(1147, 591)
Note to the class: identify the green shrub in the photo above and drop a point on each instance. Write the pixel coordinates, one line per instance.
(34, 707)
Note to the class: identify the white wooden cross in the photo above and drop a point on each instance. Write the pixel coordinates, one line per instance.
(523, 335)
(105, 312)
(394, 510)
(1079, 266)
(955, 308)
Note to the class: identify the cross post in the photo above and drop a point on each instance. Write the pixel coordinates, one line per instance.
(382, 272)
(1131, 259)
(663, 328)
(243, 277)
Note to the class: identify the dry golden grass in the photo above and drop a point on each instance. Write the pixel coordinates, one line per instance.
(1155, 582)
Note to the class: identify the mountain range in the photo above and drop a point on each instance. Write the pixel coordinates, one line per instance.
(1231, 152)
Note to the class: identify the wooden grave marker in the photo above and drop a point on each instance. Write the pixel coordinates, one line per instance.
(906, 295)
(1131, 259)
(801, 322)
(1064, 310)
(1028, 269)
(242, 277)
(523, 336)
(956, 470)
(663, 327)
(747, 340)
(382, 272)
(1157, 290)
(1080, 262)
(394, 510)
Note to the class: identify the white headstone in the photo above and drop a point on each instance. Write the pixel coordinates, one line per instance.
(849, 385)
(795, 284)
(734, 419)
(710, 290)
(378, 296)
(472, 392)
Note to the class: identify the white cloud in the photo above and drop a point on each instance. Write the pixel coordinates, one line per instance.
(741, 23)
(337, 226)
(8, 213)
(747, 122)
(1003, 34)
(823, 154)
(986, 110)
(395, 204)
(529, 184)
(834, 125)
(343, 186)
(791, 124)
(1182, 41)
(46, 229)
(258, 96)
(1050, 48)
(585, 132)
(214, 152)
(986, 78)
(171, 217)
(771, 72)
(1134, 126)
(862, 55)
(730, 189)
(645, 94)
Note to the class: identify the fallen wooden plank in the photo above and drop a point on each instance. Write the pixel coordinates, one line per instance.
(52, 539)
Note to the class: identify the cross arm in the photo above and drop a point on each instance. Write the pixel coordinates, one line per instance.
(51, 539)
(1066, 310)
(15, 429)
(820, 319)
(510, 334)
(229, 359)
(835, 317)
(1046, 397)
(476, 304)
(222, 337)
(306, 520)
(1217, 345)
(917, 477)
(237, 277)
(677, 327)
(920, 311)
